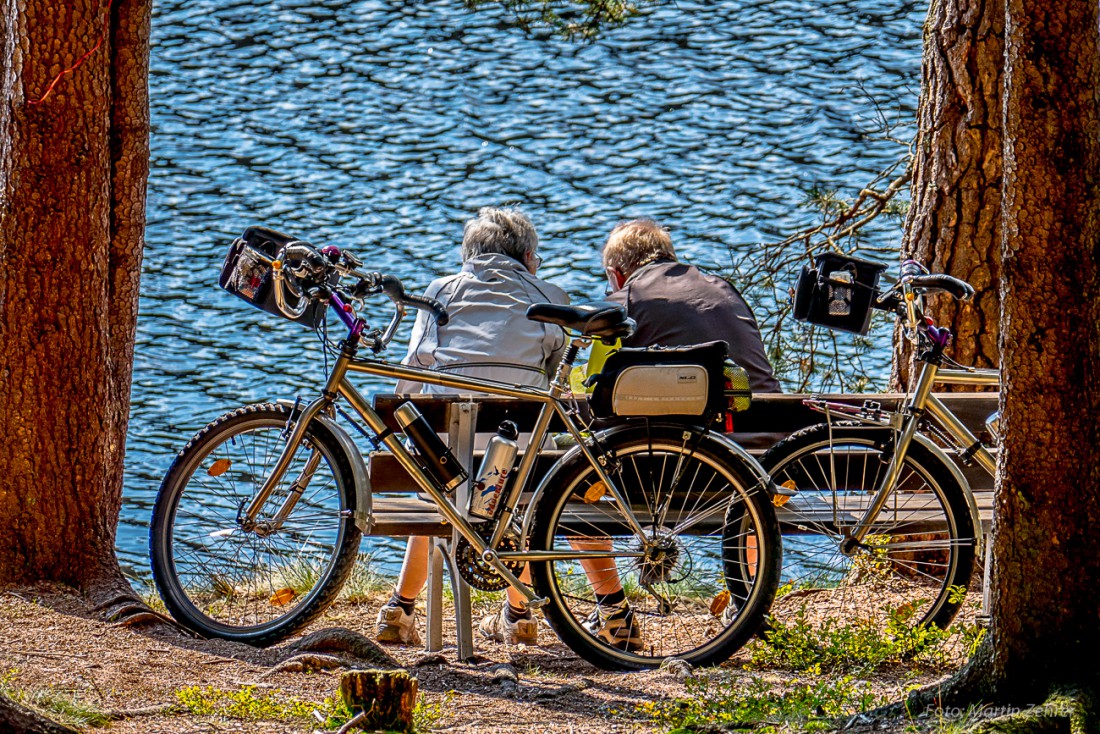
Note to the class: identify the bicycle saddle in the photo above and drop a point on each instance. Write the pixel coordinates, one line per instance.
(602, 320)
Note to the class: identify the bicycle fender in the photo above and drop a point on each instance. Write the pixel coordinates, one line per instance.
(956, 472)
(364, 507)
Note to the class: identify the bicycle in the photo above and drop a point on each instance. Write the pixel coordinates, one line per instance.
(884, 525)
(257, 523)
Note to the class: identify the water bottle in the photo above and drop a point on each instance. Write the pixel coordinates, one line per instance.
(437, 460)
(495, 471)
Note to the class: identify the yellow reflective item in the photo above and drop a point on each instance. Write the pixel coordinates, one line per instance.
(576, 380)
(219, 467)
(599, 354)
(595, 492)
(719, 603)
(282, 597)
(781, 499)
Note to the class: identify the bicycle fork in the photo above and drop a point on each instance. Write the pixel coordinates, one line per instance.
(912, 412)
(298, 486)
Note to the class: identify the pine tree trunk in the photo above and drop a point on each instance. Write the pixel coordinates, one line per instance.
(953, 225)
(73, 170)
(1046, 548)
(1044, 636)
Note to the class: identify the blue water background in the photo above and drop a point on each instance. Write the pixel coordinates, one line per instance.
(382, 126)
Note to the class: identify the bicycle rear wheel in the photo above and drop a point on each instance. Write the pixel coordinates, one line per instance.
(916, 564)
(260, 584)
(698, 584)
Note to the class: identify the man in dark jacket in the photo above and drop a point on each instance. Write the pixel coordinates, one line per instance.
(675, 304)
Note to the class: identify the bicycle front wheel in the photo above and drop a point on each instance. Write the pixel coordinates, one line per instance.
(913, 567)
(697, 583)
(253, 582)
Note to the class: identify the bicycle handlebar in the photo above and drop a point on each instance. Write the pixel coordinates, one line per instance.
(960, 289)
(914, 275)
(395, 290)
(318, 267)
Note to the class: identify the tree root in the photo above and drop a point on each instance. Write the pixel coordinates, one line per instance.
(306, 663)
(1073, 706)
(340, 644)
(126, 610)
(353, 723)
(118, 714)
(17, 718)
(995, 702)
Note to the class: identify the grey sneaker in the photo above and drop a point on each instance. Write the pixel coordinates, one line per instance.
(615, 626)
(396, 626)
(521, 632)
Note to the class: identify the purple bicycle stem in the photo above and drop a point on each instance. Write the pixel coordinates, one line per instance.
(355, 325)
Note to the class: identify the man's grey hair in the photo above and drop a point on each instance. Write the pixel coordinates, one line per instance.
(506, 231)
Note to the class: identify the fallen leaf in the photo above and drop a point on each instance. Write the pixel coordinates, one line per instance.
(720, 602)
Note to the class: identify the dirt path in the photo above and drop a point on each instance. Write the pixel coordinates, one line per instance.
(52, 644)
(50, 640)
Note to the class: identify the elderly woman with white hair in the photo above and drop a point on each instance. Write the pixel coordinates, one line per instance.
(488, 336)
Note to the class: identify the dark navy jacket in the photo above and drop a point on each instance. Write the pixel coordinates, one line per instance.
(675, 305)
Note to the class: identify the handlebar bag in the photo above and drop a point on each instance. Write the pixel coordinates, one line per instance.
(249, 277)
(837, 292)
(662, 381)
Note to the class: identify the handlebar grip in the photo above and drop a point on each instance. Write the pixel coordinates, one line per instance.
(960, 289)
(310, 258)
(430, 304)
(392, 287)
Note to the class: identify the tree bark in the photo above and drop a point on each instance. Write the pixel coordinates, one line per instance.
(72, 215)
(386, 697)
(1046, 551)
(1044, 633)
(953, 225)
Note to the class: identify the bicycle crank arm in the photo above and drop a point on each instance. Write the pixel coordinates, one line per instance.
(533, 600)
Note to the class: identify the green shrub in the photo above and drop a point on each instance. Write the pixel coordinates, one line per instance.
(859, 646)
(733, 705)
(248, 705)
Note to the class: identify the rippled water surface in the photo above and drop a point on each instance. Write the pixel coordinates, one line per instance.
(381, 126)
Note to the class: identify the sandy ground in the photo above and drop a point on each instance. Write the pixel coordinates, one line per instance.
(50, 640)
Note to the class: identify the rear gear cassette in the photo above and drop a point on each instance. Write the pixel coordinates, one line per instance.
(479, 574)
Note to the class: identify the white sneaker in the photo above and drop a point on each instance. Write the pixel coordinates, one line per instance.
(616, 626)
(396, 626)
(521, 632)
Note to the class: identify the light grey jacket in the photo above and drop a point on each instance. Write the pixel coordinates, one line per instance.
(488, 334)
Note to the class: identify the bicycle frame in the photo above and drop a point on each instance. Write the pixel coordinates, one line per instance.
(905, 420)
(339, 385)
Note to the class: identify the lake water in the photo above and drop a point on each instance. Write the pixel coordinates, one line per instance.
(382, 126)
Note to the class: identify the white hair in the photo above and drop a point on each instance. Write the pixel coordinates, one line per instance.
(507, 231)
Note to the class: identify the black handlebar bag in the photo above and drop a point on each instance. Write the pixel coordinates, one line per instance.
(249, 277)
(837, 292)
(676, 382)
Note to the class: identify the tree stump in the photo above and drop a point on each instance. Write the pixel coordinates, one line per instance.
(16, 718)
(387, 697)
